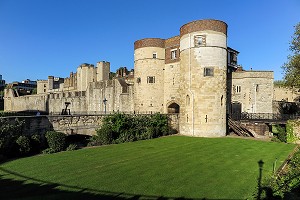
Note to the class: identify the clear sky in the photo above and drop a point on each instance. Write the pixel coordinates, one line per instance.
(39, 38)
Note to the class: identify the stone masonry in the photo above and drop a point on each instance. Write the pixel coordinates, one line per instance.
(193, 74)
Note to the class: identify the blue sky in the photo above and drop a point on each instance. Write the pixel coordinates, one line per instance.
(39, 38)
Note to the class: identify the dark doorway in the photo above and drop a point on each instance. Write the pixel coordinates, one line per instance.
(173, 108)
(236, 110)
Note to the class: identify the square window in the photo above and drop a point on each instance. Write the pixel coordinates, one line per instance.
(154, 55)
(173, 54)
(199, 40)
(151, 79)
(208, 71)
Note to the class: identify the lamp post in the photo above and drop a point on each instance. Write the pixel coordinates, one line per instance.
(260, 165)
(104, 102)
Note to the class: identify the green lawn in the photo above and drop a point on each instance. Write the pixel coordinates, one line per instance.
(169, 167)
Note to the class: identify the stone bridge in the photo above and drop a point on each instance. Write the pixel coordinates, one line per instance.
(71, 124)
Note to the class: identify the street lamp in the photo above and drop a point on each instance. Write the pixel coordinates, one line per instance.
(104, 102)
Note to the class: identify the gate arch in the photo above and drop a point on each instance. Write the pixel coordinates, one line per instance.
(173, 108)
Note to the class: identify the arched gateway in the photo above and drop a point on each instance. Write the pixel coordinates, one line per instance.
(173, 108)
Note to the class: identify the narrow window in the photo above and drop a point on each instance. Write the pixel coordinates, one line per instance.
(173, 81)
(173, 54)
(256, 88)
(187, 100)
(238, 89)
(151, 79)
(208, 71)
(222, 100)
(154, 55)
(187, 117)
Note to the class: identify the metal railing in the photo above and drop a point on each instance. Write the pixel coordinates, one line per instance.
(268, 116)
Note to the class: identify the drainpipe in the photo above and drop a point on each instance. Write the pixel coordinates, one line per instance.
(190, 82)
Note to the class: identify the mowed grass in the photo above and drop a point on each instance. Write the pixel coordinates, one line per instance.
(170, 167)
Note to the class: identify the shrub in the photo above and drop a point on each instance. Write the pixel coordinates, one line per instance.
(24, 144)
(56, 140)
(9, 133)
(275, 139)
(291, 136)
(104, 136)
(282, 184)
(37, 144)
(71, 147)
(279, 132)
(48, 151)
(119, 128)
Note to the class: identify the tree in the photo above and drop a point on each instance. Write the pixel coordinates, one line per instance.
(292, 67)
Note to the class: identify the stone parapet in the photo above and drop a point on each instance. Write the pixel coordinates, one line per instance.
(253, 74)
(149, 42)
(201, 25)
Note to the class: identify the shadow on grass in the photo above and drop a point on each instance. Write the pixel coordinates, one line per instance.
(20, 189)
(267, 193)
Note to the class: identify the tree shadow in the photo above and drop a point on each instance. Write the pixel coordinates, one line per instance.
(31, 188)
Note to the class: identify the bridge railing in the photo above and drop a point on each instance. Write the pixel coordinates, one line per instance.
(268, 116)
(103, 113)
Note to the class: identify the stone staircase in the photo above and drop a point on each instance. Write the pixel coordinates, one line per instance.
(240, 129)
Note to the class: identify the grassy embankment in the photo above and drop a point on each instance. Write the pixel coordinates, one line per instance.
(169, 167)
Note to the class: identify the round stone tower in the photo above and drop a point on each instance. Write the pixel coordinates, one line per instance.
(203, 65)
(149, 62)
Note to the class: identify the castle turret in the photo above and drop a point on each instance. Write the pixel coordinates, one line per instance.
(86, 73)
(203, 64)
(149, 62)
(103, 70)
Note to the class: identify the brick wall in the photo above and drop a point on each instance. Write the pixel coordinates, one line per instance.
(149, 42)
(201, 25)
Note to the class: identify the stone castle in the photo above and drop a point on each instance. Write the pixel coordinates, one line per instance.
(194, 74)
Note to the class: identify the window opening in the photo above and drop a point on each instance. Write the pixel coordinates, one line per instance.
(208, 71)
(222, 100)
(187, 100)
(173, 54)
(155, 55)
(238, 89)
(151, 79)
(199, 40)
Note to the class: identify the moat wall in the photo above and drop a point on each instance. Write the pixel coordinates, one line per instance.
(71, 124)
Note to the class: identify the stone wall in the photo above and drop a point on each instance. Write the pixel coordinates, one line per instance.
(23, 103)
(149, 94)
(117, 92)
(286, 94)
(203, 96)
(254, 90)
(76, 124)
(259, 128)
